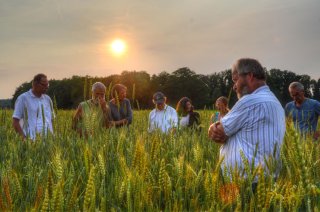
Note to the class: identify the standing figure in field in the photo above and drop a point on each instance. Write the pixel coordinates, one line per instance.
(163, 117)
(188, 117)
(93, 114)
(121, 112)
(33, 112)
(222, 107)
(257, 120)
(303, 111)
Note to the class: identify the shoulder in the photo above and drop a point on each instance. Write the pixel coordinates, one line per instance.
(313, 101)
(195, 114)
(126, 101)
(289, 105)
(81, 104)
(152, 112)
(47, 97)
(23, 96)
(171, 109)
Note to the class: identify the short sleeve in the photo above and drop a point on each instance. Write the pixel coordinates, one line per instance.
(287, 109)
(174, 117)
(19, 108)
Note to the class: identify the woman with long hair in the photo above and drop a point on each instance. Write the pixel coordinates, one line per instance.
(222, 106)
(187, 117)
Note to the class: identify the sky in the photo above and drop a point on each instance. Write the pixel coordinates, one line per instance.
(65, 38)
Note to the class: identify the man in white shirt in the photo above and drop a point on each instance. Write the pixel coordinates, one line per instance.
(257, 120)
(163, 117)
(33, 112)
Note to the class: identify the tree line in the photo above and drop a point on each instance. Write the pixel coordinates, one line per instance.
(203, 90)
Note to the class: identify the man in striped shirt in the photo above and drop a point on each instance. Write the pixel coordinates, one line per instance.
(257, 120)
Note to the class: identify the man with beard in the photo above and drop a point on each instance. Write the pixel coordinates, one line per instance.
(255, 125)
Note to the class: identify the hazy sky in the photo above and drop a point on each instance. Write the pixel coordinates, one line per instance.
(62, 38)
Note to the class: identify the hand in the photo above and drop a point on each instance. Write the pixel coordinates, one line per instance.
(102, 102)
(216, 133)
(124, 121)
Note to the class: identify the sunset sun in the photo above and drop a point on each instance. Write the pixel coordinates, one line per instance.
(118, 47)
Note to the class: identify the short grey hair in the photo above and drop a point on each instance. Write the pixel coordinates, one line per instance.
(248, 65)
(97, 85)
(296, 85)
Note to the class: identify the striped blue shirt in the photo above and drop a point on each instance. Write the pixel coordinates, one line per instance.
(257, 119)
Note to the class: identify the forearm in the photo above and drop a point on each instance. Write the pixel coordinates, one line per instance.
(217, 134)
(17, 128)
(121, 122)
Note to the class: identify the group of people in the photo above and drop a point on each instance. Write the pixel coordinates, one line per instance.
(254, 126)
(117, 112)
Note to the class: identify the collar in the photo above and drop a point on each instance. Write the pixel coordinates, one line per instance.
(34, 96)
(261, 88)
(165, 107)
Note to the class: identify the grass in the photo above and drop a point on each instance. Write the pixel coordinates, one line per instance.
(131, 170)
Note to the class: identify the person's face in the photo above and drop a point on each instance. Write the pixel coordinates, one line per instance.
(240, 84)
(188, 106)
(122, 94)
(160, 106)
(296, 95)
(42, 86)
(98, 93)
(220, 105)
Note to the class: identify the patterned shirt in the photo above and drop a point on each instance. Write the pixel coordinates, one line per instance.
(29, 110)
(257, 120)
(163, 119)
(306, 116)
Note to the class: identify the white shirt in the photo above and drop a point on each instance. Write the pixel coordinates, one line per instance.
(163, 119)
(29, 109)
(184, 120)
(257, 120)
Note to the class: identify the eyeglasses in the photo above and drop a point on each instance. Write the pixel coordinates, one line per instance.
(44, 84)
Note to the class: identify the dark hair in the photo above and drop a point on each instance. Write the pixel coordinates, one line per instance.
(247, 65)
(181, 106)
(116, 89)
(37, 78)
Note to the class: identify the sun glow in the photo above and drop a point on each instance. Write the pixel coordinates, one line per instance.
(118, 47)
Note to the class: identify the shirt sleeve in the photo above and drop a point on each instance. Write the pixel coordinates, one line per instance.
(150, 124)
(317, 107)
(19, 108)
(51, 108)
(174, 118)
(129, 112)
(234, 120)
(287, 109)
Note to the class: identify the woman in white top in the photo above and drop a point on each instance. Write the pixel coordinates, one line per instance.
(187, 117)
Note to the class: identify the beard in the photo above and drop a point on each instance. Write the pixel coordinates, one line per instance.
(244, 91)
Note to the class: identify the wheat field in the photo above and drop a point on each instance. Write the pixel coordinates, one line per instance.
(129, 169)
